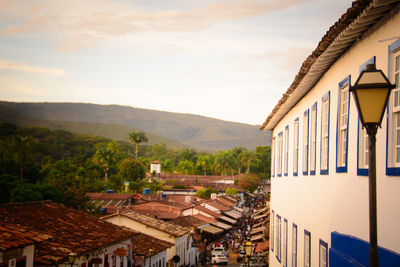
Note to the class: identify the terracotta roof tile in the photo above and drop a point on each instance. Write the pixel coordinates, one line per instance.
(69, 229)
(172, 229)
(142, 243)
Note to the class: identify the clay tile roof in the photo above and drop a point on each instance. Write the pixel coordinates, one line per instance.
(165, 215)
(110, 196)
(172, 229)
(341, 36)
(210, 212)
(188, 221)
(262, 246)
(142, 243)
(14, 236)
(214, 203)
(69, 229)
(204, 218)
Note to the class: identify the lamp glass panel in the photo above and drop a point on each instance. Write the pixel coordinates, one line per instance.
(372, 77)
(372, 103)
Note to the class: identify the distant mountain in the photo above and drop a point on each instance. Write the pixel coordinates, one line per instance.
(175, 129)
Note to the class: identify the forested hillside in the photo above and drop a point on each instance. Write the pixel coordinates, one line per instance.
(192, 130)
(38, 163)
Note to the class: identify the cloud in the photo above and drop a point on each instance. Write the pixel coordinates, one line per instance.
(80, 24)
(21, 67)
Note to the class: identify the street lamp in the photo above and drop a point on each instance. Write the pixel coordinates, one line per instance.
(71, 258)
(248, 249)
(150, 252)
(371, 93)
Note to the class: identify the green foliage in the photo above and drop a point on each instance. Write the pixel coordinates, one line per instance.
(231, 191)
(249, 182)
(172, 128)
(179, 186)
(167, 166)
(224, 162)
(185, 167)
(262, 160)
(132, 170)
(136, 138)
(24, 192)
(205, 192)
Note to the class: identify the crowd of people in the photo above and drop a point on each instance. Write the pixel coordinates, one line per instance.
(235, 238)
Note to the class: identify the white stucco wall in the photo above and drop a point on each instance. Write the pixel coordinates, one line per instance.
(322, 204)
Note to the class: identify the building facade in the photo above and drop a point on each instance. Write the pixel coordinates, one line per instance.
(319, 166)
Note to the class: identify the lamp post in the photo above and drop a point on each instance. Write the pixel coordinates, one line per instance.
(248, 249)
(371, 93)
(71, 258)
(150, 252)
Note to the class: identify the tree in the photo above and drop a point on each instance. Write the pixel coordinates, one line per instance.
(104, 158)
(205, 192)
(185, 167)
(246, 159)
(137, 137)
(188, 154)
(231, 191)
(21, 147)
(167, 166)
(237, 157)
(132, 169)
(224, 161)
(206, 163)
(262, 160)
(159, 151)
(249, 182)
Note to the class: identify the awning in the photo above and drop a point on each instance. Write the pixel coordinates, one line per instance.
(258, 225)
(222, 225)
(233, 214)
(257, 230)
(227, 219)
(256, 237)
(210, 229)
(259, 211)
(260, 216)
(238, 209)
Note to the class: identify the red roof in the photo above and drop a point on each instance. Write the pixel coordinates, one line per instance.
(204, 218)
(141, 244)
(14, 236)
(262, 246)
(205, 210)
(68, 229)
(104, 196)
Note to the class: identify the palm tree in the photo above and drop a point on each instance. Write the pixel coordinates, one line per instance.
(20, 147)
(224, 161)
(205, 162)
(137, 137)
(105, 158)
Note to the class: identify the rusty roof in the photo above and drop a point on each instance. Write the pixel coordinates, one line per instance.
(14, 236)
(205, 210)
(110, 196)
(141, 244)
(350, 28)
(214, 203)
(70, 230)
(169, 228)
(188, 221)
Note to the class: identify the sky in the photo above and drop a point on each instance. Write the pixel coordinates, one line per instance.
(225, 59)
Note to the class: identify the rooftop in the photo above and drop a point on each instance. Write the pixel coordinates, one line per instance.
(172, 229)
(62, 229)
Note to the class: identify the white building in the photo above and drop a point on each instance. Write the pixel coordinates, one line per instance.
(319, 184)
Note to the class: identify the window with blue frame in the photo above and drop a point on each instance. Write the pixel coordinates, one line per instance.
(305, 141)
(294, 245)
(323, 254)
(362, 140)
(278, 238)
(279, 155)
(286, 152)
(342, 133)
(272, 231)
(325, 120)
(284, 239)
(307, 248)
(393, 113)
(313, 138)
(296, 147)
(273, 157)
